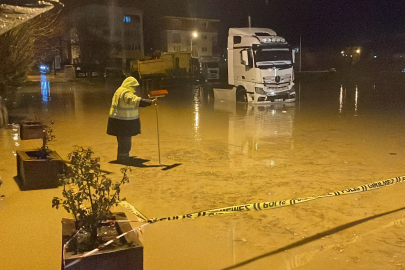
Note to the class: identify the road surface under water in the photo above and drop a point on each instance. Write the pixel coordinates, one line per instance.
(339, 134)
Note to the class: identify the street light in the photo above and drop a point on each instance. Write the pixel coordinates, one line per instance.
(193, 35)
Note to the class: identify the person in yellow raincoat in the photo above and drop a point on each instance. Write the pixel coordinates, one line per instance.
(124, 121)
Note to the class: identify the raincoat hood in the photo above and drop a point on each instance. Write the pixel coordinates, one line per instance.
(130, 82)
(125, 102)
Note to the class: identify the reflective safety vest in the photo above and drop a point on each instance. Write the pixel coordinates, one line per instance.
(125, 104)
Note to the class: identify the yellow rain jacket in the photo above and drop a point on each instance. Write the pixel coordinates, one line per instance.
(124, 112)
(125, 104)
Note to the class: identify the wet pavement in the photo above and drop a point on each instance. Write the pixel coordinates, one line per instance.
(339, 134)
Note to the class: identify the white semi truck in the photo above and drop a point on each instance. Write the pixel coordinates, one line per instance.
(260, 66)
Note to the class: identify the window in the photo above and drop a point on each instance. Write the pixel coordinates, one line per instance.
(176, 38)
(176, 48)
(237, 39)
(73, 35)
(214, 40)
(131, 19)
(131, 46)
(262, 34)
(204, 49)
(268, 55)
(204, 24)
(204, 36)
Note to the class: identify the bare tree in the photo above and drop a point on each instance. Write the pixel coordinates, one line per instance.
(93, 41)
(48, 37)
(20, 48)
(18, 55)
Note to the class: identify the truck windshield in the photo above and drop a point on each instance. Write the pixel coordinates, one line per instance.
(272, 57)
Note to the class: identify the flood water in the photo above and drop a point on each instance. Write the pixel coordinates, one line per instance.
(339, 134)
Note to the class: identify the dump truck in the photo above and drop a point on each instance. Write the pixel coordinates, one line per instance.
(169, 65)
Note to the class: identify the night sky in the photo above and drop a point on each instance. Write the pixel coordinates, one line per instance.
(320, 22)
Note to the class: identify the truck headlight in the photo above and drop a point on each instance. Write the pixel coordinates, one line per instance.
(260, 91)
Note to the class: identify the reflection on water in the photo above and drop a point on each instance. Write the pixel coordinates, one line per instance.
(198, 92)
(254, 133)
(45, 89)
(35, 102)
(355, 100)
(16, 136)
(7, 145)
(258, 134)
(241, 135)
(343, 97)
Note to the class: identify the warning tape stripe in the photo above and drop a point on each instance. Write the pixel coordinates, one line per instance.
(277, 204)
(238, 208)
(139, 215)
(99, 248)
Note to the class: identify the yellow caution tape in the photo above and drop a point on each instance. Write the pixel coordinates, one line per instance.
(130, 207)
(96, 249)
(277, 204)
(243, 208)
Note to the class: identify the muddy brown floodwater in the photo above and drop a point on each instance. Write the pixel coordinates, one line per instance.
(339, 134)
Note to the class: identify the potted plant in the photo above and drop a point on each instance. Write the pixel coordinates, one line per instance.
(31, 130)
(39, 169)
(88, 195)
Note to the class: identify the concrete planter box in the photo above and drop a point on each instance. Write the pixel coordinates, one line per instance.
(38, 171)
(30, 130)
(128, 257)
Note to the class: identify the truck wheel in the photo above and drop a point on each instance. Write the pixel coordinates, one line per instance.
(241, 95)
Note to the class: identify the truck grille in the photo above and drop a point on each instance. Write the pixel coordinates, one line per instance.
(277, 79)
(278, 88)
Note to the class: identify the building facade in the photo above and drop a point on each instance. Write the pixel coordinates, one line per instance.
(196, 35)
(110, 34)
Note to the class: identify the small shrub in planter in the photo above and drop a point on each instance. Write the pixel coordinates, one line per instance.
(39, 169)
(88, 195)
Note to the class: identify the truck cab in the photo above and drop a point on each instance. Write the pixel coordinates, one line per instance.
(260, 65)
(209, 68)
